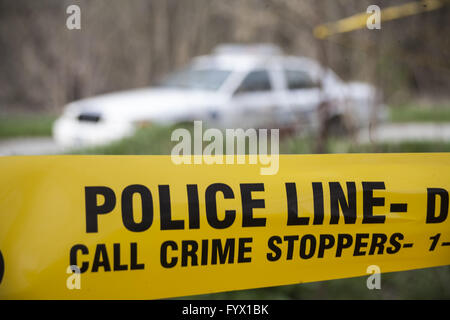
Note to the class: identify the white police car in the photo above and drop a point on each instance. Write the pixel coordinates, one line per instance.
(237, 86)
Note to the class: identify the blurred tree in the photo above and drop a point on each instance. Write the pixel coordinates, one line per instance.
(131, 44)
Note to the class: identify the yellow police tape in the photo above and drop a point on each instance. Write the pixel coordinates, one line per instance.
(141, 227)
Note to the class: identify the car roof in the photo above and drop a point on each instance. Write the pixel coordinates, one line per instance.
(246, 60)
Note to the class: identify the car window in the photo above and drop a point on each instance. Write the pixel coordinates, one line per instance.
(258, 80)
(203, 79)
(297, 79)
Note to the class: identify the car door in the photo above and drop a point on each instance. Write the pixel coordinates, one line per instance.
(302, 96)
(254, 101)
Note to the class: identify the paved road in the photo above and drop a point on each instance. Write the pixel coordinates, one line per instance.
(384, 133)
(407, 132)
(29, 146)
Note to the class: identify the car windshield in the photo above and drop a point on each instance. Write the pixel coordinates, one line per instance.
(203, 79)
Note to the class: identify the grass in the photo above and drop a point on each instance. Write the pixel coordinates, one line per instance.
(156, 140)
(152, 140)
(26, 125)
(420, 112)
(306, 146)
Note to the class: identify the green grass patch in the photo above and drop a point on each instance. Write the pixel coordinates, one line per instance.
(420, 113)
(152, 140)
(26, 125)
(157, 140)
(306, 146)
